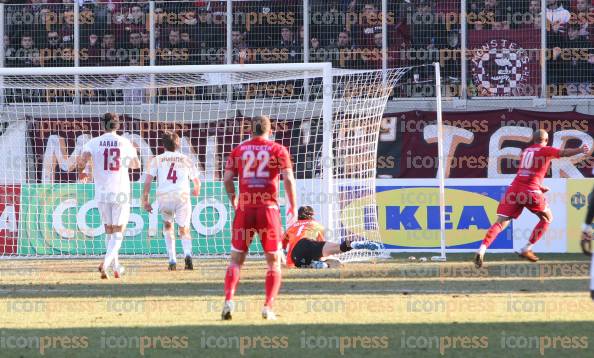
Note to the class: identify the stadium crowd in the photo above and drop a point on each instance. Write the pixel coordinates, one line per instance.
(346, 32)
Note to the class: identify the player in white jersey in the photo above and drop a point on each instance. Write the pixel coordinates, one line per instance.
(112, 155)
(173, 171)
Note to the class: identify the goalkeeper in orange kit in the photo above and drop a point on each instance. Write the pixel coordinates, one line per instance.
(305, 245)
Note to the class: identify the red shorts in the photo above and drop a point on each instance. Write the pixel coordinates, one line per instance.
(515, 200)
(264, 221)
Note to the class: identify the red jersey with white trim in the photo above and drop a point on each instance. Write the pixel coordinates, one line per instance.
(258, 163)
(534, 163)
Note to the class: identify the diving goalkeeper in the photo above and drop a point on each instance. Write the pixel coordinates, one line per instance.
(304, 241)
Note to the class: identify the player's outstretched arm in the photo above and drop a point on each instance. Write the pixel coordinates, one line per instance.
(196, 183)
(230, 187)
(568, 152)
(134, 161)
(82, 164)
(290, 190)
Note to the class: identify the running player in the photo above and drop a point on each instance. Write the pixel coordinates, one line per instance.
(258, 162)
(112, 156)
(174, 171)
(527, 191)
(305, 245)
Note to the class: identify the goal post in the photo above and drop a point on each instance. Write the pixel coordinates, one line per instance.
(328, 118)
(440, 166)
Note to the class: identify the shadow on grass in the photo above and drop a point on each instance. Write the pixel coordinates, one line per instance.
(222, 339)
(376, 286)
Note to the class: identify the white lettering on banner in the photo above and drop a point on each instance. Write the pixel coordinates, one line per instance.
(561, 168)
(135, 224)
(57, 222)
(8, 219)
(388, 129)
(136, 219)
(56, 154)
(81, 221)
(498, 153)
(13, 146)
(222, 214)
(565, 167)
(452, 137)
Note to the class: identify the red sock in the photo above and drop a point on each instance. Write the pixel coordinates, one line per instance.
(273, 283)
(538, 231)
(231, 281)
(494, 230)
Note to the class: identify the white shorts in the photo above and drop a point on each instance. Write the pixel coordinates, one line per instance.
(114, 213)
(176, 207)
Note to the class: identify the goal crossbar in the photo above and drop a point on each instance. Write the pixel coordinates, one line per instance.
(147, 70)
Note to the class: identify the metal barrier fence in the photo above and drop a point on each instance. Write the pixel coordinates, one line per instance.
(486, 48)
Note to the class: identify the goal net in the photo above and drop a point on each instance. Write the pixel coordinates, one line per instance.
(329, 119)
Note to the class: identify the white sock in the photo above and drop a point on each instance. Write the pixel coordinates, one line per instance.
(482, 249)
(170, 243)
(116, 260)
(187, 245)
(113, 247)
(528, 247)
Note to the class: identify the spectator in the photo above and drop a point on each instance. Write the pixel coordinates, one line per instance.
(326, 31)
(452, 66)
(109, 53)
(371, 57)
(146, 40)
(581, 16)
(341, 53)
(577, 64)
(173, 39)
(557, 20)
(240, 47)
(557, 17)
(27, 55)
(66, 32)
(189, 45)
(316, 53)
(136, 20)
(135, 40)
(290, 44)
(534, 11)
(426, 38)
(174, 53)
(88, 23)
(368, 25)
(9, 52)
(51, 54)
(93, 51)
(488, 15)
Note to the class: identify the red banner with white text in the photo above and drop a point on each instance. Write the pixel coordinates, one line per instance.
(484, 144)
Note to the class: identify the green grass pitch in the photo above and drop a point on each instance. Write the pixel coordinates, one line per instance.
(389, 308)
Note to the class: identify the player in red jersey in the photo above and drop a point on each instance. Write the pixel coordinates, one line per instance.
(258, 162)
(527, 191)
